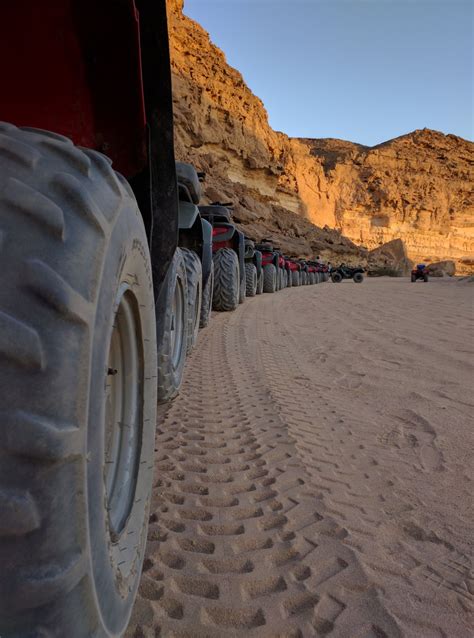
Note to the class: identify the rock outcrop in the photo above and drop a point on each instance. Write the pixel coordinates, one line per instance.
(328, 197)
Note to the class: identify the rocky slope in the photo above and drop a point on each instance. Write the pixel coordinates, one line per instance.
(414, 188)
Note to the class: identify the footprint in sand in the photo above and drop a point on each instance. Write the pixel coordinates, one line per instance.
(421, 435)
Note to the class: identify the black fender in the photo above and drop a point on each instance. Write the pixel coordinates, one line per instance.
(275, 260)
(187, 215)
(239, 247)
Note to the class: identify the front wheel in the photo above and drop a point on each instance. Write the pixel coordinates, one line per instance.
(250, 280)
(336, 277)
(295, 278)
(172, 329)
(425, 278)
(226, 280)
(194, 296)
(269, 278)
(78, 390)
(358, 278)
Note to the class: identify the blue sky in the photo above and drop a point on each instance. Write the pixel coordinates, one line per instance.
(361, 70)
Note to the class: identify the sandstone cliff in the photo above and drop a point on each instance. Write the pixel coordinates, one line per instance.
(414, 188)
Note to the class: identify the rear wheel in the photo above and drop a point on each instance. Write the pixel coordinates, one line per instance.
(425, 277)
(413, 279)
(77, 364)
(172, 329)
(295, 278)
(358, 277)
(194, 296)
(269, 278)
(336, 277)
(250, 279)
(226, 280)
(206, 304)
(288, 278)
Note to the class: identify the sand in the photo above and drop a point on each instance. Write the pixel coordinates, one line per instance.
(314, 477)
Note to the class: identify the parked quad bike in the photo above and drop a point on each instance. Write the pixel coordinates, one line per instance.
(420, 272)
(270, 266)
(253, 269)
(96, 268)
(228, 247)
(347, 272)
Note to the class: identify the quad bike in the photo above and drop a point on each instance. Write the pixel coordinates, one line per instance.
(294, 267)
(270, 265)
(253, 269)
(228, 247)
(94, 310)
(420, 272)
(313, 272)
(347, 272)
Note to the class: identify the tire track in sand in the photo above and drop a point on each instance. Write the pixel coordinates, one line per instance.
(240, 542)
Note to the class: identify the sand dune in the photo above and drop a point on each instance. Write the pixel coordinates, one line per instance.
(314, 477)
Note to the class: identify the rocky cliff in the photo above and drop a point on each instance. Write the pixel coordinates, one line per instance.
(334, 198)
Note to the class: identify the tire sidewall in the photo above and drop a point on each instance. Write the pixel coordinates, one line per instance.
(126, 263)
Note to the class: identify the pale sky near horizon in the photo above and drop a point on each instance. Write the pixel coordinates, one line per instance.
(360, 70)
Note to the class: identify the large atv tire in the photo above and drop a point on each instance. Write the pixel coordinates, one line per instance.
(77, 390)
(295, 278)
(172, 329)
(413, 279)
(336, 277)
(194, 296)
(269, 278)
(242, 286)
(288, 278)
(226, 280)
(250, 280)
(260, 282)
(425, 278)
(206, 305)
(358, 278)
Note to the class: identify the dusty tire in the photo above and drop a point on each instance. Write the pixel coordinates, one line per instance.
(226, 280)
(250, 280)
(269, 278)
(206, 304)
(75, 277)
(288, 278)
(242, 286)
(295, 278)
(172, 329)
(194, 296)
(413, 279)
(260, 283)
(358, 278)
(425, 278)
(336, 277)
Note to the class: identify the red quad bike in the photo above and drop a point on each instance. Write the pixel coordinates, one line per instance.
(270, 264)
(313, 272)
(294, 268)
(253, 269)
(420, 272)
(304, 272)
(94, 308)
(228, 247)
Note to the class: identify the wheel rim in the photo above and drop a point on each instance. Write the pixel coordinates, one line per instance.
(177, 323)
(123, 413)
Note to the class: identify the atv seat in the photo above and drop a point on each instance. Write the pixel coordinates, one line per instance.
(216, 213)
(188, 183)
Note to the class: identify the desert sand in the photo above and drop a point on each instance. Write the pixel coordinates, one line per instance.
(313, 478)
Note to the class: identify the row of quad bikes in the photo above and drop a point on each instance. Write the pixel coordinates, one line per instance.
(108, 267)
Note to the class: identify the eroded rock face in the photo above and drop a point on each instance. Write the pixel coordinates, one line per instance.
(414, 188)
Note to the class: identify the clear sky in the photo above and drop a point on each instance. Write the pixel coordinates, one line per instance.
(360, 70)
